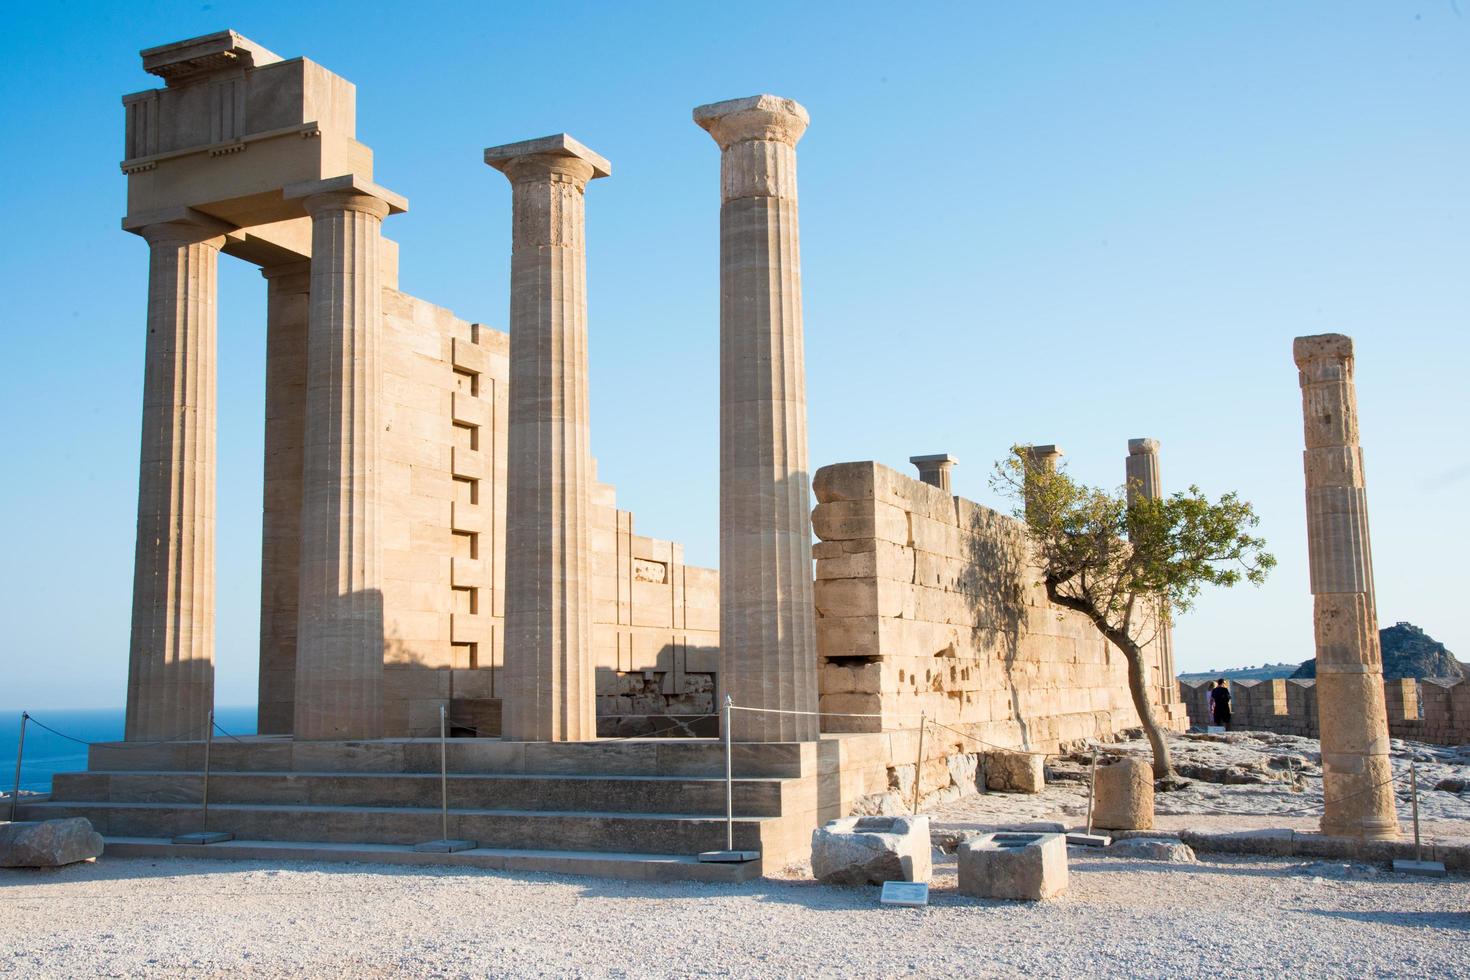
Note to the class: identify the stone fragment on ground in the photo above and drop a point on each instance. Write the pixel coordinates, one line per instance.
(1014, 772)
(1170, 850)
(48, 843)
(872, 850)
(1019, 866)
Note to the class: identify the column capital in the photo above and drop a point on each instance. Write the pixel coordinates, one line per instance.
(1143, 447)
(1043, 457)
(178, 226)
(348, 192)
(1334, 348)
(546, 159)
(757, 117)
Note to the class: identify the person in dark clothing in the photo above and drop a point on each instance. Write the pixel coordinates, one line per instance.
(1220, 703)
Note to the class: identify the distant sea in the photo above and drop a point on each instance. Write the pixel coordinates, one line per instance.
(47, 754)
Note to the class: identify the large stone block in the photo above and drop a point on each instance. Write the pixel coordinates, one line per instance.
(872, 850)
(1014, 772)
(52, 843)
(1025, 867)
(1125, 796)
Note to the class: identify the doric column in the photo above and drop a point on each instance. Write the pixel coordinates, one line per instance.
(171, 655)
(549, 680)
(1356, 775)
(768, 653)
(1144, 482)
(935, 470)
(1037, 460)
(339, 640)
(287, 312)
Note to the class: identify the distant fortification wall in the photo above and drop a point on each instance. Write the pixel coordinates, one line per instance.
(1436, 711)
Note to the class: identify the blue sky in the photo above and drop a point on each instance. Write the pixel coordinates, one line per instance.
(1065, 222)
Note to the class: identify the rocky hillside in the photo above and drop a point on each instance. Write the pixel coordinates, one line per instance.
(1408, 651)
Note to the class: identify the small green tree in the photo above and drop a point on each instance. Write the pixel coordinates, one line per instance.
(1130, 568)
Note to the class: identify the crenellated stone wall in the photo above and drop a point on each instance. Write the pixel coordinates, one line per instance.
(925, 605)
(1436, 711)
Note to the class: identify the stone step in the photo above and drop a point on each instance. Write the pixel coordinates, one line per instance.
(630, 757)
(651, 833)
(655, 867)
(703, 795)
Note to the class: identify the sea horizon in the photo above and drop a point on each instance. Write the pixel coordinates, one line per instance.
(55, 739)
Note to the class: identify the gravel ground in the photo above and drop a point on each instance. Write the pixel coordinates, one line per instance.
(1224, 916)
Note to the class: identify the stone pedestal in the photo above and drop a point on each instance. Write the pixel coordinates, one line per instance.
(549, 680)
(171, 654)
(1124, 796)
(339, 646)
(768, 653)
(288, 312)
(872, 850)
(935, 469)
(1352, 718)
(1020, 867)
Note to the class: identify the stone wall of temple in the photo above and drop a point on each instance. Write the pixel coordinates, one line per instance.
(1436, 711)
(925, 605)
(443, 483)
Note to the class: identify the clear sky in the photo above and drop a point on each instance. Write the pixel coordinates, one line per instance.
(1039, 222)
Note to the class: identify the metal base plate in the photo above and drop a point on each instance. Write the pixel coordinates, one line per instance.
(1089, 840)
(1434, 869)
(204, 837)
(728, 857)
(444, 846)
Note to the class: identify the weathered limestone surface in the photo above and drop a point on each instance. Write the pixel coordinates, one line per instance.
(49, 843)
(1356, 776)
(1153, 849)
(926, 605)
(1125, 795)
(872, 850)
(768, 656)
(1014, 772)
(339, 659)
(171, 655)
(549, 680)
(288, 312)
(1021, 867)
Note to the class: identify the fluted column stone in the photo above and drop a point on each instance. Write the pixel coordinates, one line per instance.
(1352, 718)
(171, 651)
(767, 639)
(1144, 482)
(288, 313)
(339, 644)
(549, 678)
(935, 469)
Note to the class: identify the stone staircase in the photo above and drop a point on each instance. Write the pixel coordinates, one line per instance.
(634, 809)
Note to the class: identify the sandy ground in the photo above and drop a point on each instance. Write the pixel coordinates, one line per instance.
(1224, 916)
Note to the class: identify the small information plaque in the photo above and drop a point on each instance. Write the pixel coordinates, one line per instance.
(913, 894)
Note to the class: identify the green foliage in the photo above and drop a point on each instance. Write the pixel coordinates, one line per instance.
(1128, 564)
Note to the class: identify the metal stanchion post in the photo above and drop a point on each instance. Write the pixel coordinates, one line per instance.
(444, 845)
(919, 763)
(1418, 866)
(729, 855)
(204, 835)
(729, 780)
(20, 751)
(1088, 838)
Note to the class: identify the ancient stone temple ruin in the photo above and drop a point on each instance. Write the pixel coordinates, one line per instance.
(436, 543)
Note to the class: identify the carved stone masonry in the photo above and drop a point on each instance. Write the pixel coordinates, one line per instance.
(768, 655)
(1357, 780)
(550, 682)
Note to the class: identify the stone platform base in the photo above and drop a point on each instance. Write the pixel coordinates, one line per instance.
(647, 806)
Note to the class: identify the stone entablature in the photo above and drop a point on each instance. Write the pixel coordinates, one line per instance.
(1428, 710)
(925, 606)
